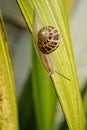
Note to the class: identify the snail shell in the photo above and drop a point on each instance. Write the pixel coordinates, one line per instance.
(48, 39)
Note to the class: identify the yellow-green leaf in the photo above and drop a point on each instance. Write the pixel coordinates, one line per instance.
(8, 111)
(52, 12)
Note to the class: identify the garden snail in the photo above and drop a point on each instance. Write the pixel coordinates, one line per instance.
(48, 41)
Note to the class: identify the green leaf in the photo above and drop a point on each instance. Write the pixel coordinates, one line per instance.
(26, 107)
(84, 97)
(45, 109)
(8, 110)
(44, 96)
(53, 13)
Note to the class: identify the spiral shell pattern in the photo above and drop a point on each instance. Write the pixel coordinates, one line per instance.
(48, 39)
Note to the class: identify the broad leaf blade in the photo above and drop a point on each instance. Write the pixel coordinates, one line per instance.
(53, 13)
(8, 110)
(27, 120)
(43, 93)
(44, 96)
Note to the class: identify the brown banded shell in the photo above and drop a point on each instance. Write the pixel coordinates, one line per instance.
(48, 39)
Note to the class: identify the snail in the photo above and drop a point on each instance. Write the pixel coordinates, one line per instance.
(48, 41)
